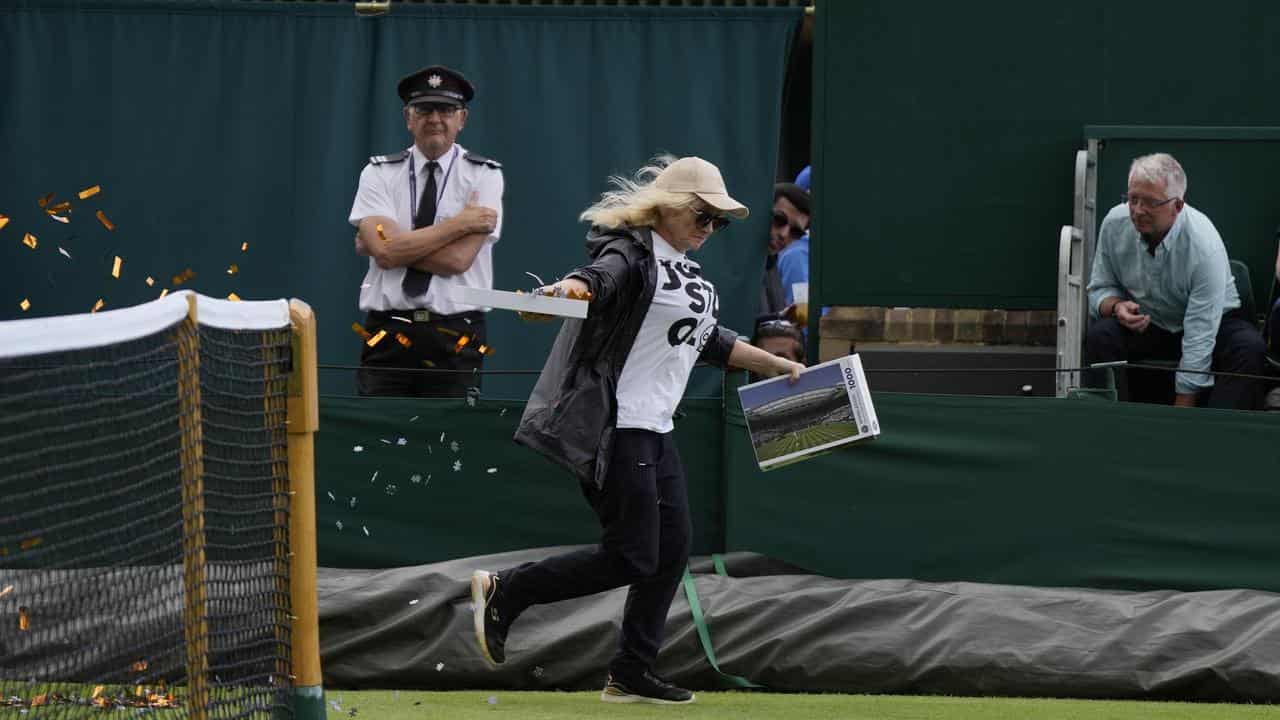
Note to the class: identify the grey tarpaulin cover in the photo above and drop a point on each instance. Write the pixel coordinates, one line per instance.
(411, 628)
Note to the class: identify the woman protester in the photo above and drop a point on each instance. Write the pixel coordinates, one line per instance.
(603, 407)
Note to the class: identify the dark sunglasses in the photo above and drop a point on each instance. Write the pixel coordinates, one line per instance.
(702, 218)
(780, 220)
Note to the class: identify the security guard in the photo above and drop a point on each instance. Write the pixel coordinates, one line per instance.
(427, 218)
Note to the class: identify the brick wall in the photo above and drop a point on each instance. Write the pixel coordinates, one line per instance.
(844, 327)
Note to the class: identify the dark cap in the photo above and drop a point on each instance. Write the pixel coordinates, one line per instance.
(437, 84)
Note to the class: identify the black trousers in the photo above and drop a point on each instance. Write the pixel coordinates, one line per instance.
(1238, 348)
(644, 513)
(1273, 329)
(433, 347)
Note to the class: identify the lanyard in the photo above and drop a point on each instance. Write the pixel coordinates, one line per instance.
(413, 185)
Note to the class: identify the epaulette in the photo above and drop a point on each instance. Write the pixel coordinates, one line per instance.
(383, 159)
(481, 160)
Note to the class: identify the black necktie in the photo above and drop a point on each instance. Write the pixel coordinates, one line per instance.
(416, 281)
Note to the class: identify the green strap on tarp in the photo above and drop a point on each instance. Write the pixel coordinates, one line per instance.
(700, 623)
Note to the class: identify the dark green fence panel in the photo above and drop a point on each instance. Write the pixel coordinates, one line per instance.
(945, 132)
(216, 123)
(1026, 491)
(411, 506)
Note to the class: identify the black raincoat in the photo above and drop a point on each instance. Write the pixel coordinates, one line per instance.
(571, 414)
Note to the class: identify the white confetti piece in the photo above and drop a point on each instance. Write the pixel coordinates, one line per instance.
(392, 489)
(353, 503)
(457, 465)
(402, 319)
(430, 451)
(334, 704)
(416, 479)
(365, 285)
(439, 666)
(492, 470)
(385, 440)
(358, 448)
(413, 419)
(339, 524)
(331, 497)
(413, 602)
(428, 480)
(441, 438)
(504, 412)
(537, 671)
(65, 254)
(375, 477)
(365, 529)
(454, 446)
(402, 441)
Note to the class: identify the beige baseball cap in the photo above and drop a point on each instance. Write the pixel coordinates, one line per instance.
(697, 176)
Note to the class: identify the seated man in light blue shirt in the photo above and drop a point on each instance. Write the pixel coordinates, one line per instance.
(1162, 288)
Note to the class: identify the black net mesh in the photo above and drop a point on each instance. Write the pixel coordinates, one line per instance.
(135, 572)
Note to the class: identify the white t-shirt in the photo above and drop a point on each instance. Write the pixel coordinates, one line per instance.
(675, 329)
(384, 190)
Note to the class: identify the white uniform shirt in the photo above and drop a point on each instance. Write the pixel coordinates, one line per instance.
(384, 190)
(675, 329)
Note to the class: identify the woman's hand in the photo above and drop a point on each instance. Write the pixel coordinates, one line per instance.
(787, 367)
(571, 288)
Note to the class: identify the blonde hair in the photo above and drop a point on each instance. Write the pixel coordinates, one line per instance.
(635, 201)
(1161, 169)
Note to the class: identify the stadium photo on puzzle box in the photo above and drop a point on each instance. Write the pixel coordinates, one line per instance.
(827, 407)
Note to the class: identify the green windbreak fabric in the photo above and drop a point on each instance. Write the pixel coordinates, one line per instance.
(1026, 491)
(385, 471)
(213, 124)
(945, 133)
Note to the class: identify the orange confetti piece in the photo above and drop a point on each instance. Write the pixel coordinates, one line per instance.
(25, 304)
(163, 293)
(60, 207)
(89, 192)
(376, 338)
(244, 247)
(102, 218)
(150, 281)
(45, 200)
(233, 297)
(30, 543)
(139, 666)
(404, 339)
(137, 691)
(380, 234)
(428, 363)
(97, 306)
(7, 589)
(183, 276)
(233, 269)
(115, 267)
(30, 240)
(4, 220)
(39, 700)
(485, 350)
(462, 342)
(358, 329)
(448, 331)
(97, 692)
(24, 623)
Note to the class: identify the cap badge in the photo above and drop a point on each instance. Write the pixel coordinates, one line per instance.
(434, 81)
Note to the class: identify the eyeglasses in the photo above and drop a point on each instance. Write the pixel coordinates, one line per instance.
(1148, 203)
(443, 109)
(780, 219)
(702, 218)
